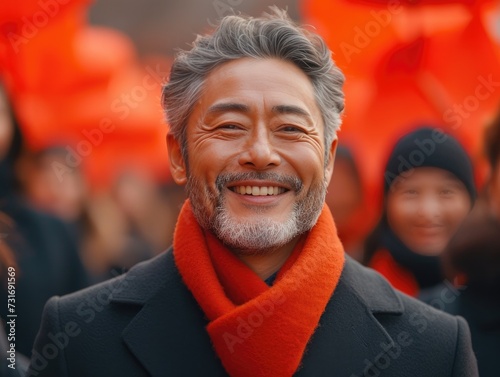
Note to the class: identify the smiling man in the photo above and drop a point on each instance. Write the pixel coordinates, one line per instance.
(256, 161)
(256, 283)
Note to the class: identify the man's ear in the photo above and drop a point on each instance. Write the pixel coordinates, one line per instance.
(177, 163)
(331, 160)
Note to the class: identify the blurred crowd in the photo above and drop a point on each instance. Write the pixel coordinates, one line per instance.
(59, 236)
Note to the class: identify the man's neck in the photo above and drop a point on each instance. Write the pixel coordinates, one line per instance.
(266, 264)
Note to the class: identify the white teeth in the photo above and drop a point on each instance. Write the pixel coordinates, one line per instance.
(258, 191)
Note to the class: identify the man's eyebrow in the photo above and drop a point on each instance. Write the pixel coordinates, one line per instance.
(228, 106)
(291, 109)
(241, 108)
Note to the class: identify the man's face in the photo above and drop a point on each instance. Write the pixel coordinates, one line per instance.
(256, 172)
(425, 208)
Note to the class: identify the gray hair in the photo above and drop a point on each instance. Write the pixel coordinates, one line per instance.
(273, 35)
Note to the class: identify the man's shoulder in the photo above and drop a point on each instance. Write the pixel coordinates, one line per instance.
(135, 286)
(373, 329)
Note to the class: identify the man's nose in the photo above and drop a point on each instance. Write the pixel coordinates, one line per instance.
(260, 153)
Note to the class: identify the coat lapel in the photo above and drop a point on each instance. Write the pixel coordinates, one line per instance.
(351, 336)
(167, 336)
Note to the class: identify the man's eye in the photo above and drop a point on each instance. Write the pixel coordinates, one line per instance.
(291, 129)
(229, 126)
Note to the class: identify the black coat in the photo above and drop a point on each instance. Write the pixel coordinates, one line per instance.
(147, 323)
(48, 265)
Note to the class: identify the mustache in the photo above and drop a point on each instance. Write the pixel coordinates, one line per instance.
(284, 179)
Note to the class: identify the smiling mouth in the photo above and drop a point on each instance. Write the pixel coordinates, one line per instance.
(430, 226)
(258, 190)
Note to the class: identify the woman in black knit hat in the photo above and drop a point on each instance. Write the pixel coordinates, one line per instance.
(428, 191)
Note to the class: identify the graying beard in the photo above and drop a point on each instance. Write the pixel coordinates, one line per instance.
(263, 236)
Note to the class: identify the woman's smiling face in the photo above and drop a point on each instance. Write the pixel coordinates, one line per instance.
(426, 207)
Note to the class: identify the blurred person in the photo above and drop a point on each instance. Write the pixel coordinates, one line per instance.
(61, 192)
(173, 197)
(98, 224)
(345, 199)
(428, 191)
(257, 282)
(471, 262)
(109, 248)
(128, 225)
(113, 230)
(144, 207)
(43, 247)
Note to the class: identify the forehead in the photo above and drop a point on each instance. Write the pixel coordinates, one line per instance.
(429, 176)
(259, 83)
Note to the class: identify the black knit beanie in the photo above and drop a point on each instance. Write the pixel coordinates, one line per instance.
(429, 147)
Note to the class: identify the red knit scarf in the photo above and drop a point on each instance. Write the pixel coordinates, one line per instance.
(255, 329)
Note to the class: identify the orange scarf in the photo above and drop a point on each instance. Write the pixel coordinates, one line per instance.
(258, 330)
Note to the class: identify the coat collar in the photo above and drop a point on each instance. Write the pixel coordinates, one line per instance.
(170, 320)
(351, 333)
(371, 288)
(165, 334)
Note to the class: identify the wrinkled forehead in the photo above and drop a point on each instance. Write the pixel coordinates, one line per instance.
(245, 83)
